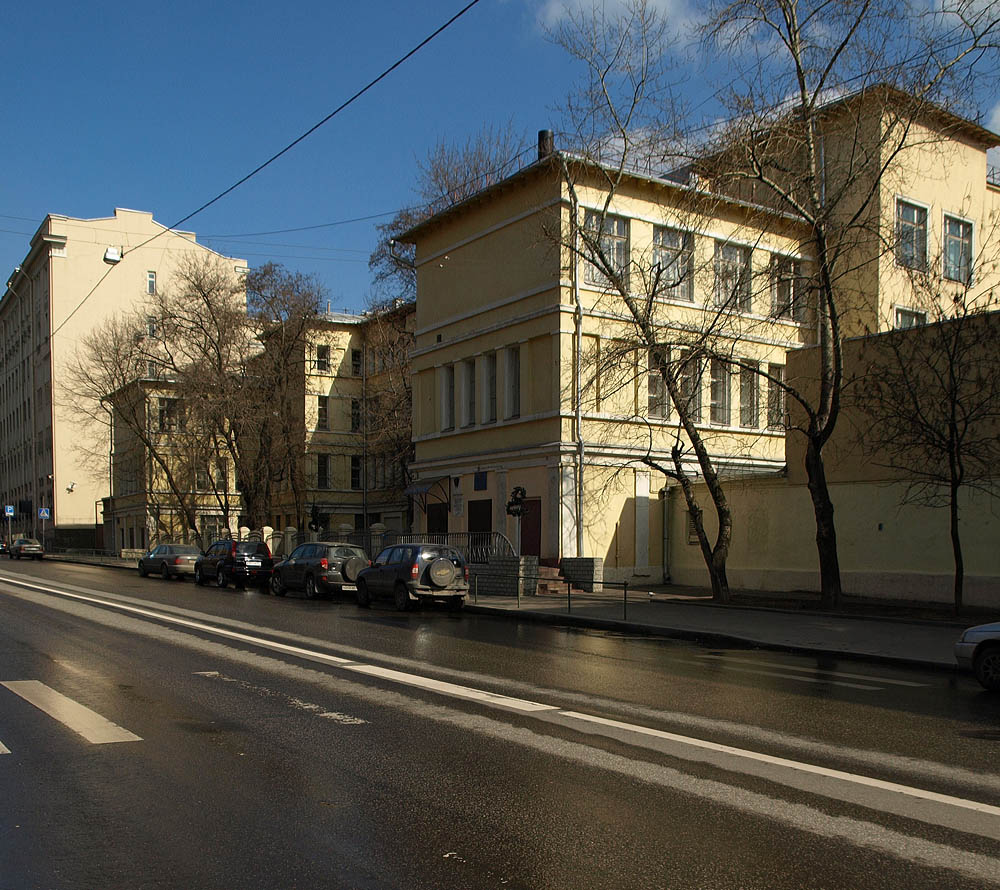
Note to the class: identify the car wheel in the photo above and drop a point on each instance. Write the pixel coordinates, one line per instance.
(142, 571)
(363, 596)
(277, 588)
(400, 597)
(310, 588)
(987, 667)
(164, 572)
(197, 576)
(220, 578)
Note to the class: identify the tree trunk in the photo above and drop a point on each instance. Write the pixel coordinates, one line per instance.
(826, 533)
(956, 547)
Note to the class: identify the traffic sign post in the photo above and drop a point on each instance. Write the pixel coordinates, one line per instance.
(43, 514)
(8, 511)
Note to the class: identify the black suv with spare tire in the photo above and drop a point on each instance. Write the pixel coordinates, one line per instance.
(319, 567)
(416, 573)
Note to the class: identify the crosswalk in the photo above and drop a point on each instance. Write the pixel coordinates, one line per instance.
(88, 724)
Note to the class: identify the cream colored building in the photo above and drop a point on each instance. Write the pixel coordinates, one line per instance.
(77, 273)
(508, 386)
(348, 475)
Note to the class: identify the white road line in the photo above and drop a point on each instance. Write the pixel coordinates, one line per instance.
(802, 678)
(4, 749)
(83, 721)
(455, 690)
(812, 670)
(791, 764)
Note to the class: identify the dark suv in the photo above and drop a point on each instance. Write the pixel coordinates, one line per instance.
(415, 573)
(242, 562)
(319, 567)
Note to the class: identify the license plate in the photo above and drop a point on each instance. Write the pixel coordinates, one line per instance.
(348, 586)
(253, 563)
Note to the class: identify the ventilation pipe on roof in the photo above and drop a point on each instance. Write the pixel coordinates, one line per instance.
(546, 144)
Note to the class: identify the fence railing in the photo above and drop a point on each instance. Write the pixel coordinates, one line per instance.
(993, 176)
(477, 548)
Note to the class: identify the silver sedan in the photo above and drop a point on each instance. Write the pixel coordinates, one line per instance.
(169, 561)
(978, 650)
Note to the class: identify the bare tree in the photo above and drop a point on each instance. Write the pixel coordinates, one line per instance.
(831, 100)
(451, 172)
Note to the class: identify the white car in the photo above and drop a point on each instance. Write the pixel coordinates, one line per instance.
(978, 650)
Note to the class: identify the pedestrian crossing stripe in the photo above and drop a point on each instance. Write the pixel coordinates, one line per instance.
(84, 722)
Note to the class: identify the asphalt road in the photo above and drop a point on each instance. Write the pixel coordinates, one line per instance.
(165, 735)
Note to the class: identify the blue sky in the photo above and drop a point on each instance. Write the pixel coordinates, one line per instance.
(161, 106)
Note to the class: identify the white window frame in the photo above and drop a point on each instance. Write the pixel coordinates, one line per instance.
(777, 398)
(657, 399)
(151, 283)
(323, 363)
(919, 263)
(322, 412)
(918, 317)
(970, 276)
(675, 262)
(749, 395)
(725, 269)
(790, 307)
(720, 393)
(690, 384)
(614, 244)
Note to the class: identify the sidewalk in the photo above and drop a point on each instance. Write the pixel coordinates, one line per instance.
(769, 620)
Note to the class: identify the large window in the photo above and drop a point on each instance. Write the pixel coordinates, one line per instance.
(749, 396)
(470, 392)
(513, 387)
(720, 393)
(323, 358)
(611, 235)
(448, 399)
(786, 285)
(691, 385)
(911, 235)
(732, 276)
(170, 416)
(491, 387)
(673, 256)
(323, 413)
(356, 365)
(776, 419)
(909, 318)
(355, 415)
(957, 249)
(658, 405)
(356, 472)
(322, 470)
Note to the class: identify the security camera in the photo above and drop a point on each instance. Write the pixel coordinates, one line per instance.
(70, 487)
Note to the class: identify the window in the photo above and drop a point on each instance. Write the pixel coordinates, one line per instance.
(911, 235)
(514, 381)
(786, 297)
(470, 392)
(611, 235)
(355, 472)
(202, 482)
(151, 322)
(909, 318)
(151, 369)
(448, 399)
(491, 387)
(776, 419)
(323, 470)
(355, 415)
(749, 397)
(732, 276)
(169, 418)
(719, 410)
(323, 413)
(691, 385)
(323, 358)
(356, 362)
(657, 404)
(673, 256)
(957, 249)
(151, 283)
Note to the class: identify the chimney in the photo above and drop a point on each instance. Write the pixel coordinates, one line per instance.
(546, 144)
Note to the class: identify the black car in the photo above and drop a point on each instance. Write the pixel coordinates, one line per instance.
(319, 567)
(241, 562)
(411, 573)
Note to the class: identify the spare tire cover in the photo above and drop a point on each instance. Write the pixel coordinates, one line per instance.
(442, 572)
(352, 568)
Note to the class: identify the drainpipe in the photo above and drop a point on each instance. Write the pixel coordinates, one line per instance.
(665, 505)
(578, 386)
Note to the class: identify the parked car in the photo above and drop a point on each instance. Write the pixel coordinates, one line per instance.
(26, 547)
(978, 650)
(240, 562)
(319, 567)
(4, 547)
(170, 560)
(419, 572)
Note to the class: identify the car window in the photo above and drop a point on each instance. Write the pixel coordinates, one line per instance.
(398, 555)
(299, 551)
(184, 550)
(430, 553)
(383, 557)
(347, 552)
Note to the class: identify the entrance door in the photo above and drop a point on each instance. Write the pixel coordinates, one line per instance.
(437, 518)
(531, 527)
(480, 526)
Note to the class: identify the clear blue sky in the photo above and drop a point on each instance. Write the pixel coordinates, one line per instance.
(161, 106)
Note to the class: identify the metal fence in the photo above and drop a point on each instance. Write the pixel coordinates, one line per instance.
(477, 548)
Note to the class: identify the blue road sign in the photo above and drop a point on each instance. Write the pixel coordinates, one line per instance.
(8, 510)
(43, 512)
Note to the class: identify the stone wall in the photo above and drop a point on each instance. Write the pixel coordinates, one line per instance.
(584, 572)
(503, 576)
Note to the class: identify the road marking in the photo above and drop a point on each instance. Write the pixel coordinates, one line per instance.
(4, 749)
(803, 679)
(92, 726)
(813, 670)
(455, 690)
(791, 764)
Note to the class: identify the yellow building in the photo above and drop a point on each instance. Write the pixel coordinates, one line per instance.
(77, 273)
(354, 455)
(512, 386)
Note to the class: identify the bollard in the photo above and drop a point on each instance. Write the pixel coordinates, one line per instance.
(624, 600)
(518, 588)
(569, 598)
(475, 589)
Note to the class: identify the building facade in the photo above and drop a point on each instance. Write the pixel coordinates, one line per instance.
(77, 273)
